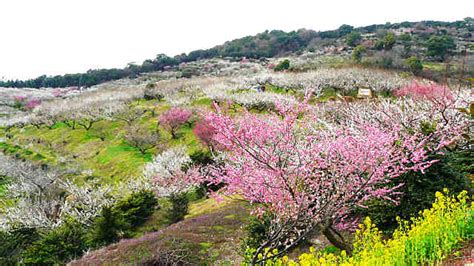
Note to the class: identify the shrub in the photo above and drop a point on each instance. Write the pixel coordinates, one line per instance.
(389, 41)
(13, 243)
(137, 207)
(57, 246)
(179, 207)
(357, 53)
(107, 228)
(201, 157)
(384, 61)
(353, 38)
(440, 47)
(256, 232)
(414, 64)
(282, 65)
(418, 191)
(379, 45)
(117, 221)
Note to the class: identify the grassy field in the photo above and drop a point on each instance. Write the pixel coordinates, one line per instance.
(106, 161)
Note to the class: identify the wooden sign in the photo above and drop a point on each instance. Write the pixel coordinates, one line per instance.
(364, 93)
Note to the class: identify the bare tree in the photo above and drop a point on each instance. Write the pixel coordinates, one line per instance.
(142, 139)
(128, 114)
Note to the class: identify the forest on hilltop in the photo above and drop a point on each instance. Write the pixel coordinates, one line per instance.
(429, 40)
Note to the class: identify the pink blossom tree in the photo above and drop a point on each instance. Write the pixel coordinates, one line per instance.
(308, 175)
(433, 92)
(204, 132)
(31, 104)
(174, 118)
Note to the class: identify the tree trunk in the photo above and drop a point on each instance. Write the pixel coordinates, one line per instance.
(336, 239)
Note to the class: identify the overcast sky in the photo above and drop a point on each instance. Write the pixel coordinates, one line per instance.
(69, 36)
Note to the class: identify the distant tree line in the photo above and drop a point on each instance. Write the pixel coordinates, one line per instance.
(265, 44)
(93, 76)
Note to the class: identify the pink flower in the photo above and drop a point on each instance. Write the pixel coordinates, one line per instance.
(204, 132)
(174, 118)
(432, 92)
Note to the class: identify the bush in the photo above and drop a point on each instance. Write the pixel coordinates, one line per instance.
(282, 65)
(179, 207)
(353, 38)
(440, 47)
(137, 207)
(384, 61)
(419, 189)
(201, 157)
(57, 246)
(414, 64)
(256, 232)
(72, 239)
(117, 221)
(108, 228)
(357, 53)
(13, 243)
(389, 41)
(379, 45)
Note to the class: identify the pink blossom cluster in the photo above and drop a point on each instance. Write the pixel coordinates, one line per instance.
(32, 103)
(174, 118)
(26, 103)
(19, 98)
(310, 166)
(293, 171)
(205, 132)
(432, 92)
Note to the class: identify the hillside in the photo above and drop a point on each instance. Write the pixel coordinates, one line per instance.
(266, 149)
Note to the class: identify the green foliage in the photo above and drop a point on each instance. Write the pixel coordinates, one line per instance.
(120, 219)
(136, 208)
(256, 232)
(389, 41)
(357, 53)
(406, 41)
(384, 61)
(94, 76)
(440, 47)
(282, 65)
(57, 246)
(414, 64)
(201, 157)
(3, 182)
(330, 249)
(378, 45)
(14, 242)
(353, 38)
(108, 228)
(179, 207)
(344, 29)
(419, 189)
(265, 44)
